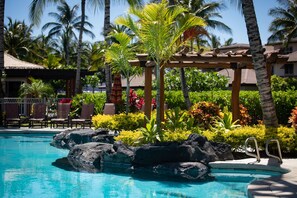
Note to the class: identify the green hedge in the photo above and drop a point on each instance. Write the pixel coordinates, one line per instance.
(284, 101)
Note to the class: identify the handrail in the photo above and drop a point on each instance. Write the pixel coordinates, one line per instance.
(279, 158)
(257, 155)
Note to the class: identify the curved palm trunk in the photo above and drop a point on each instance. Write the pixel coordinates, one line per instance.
(127, 96)
(158, 116)
(77, 79)
(267, 104)
(105, 33)
(185, 88)
(2, 7)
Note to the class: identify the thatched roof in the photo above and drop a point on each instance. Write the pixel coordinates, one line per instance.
(11, 62)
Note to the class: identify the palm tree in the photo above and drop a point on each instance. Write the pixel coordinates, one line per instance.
(2, 6)
(106, 31)
(267, 104)
(119, 54)
(228, 42)
(207, 11)
(157, 29)
(284, 25)
(37, 89)
(17, 38)
(214, 42)
(67, 22)
(36, 9)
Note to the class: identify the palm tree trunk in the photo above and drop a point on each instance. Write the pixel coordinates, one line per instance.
(105, 33)
(77, 79)
(185, 88)
(267, 104)
(127, 96)
(2, 7)
(158, 101)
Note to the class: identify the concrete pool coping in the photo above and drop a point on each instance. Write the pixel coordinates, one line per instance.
(284, 185)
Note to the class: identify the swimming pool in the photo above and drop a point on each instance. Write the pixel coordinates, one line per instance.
(26, 170)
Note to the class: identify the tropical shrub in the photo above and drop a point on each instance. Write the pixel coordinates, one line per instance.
(205, 113)
(98, 99)
(118, 122)
(244, 116)
(131, 138)
(103, 121)
(293, 118)
(130, 121)
(150, 134)
(177, 119)
(196, 80)
(283, 84)
(236, 138)
(225, 123)
(176, 136)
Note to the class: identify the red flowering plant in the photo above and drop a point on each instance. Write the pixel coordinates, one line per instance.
(136, 102)
(293, 118)
(65, 100)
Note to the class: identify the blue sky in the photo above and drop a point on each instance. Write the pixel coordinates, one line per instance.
(19, 9)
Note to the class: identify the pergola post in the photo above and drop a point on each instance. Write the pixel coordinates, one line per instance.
(235, 93)
(269, 71)
(148, 91)
(162, 96)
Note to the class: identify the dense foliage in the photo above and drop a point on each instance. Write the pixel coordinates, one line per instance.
(196, 80)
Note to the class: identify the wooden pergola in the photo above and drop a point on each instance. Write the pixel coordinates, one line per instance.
(212, 60)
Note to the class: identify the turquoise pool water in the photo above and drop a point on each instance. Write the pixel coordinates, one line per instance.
(26, 170)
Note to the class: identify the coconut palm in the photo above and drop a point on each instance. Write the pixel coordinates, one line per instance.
(228, 42)
(214, 42)
(157, 29)
(267, 104)
(36, 9)
(17, 38)
(37, 89)
(2, 6)
(119, 54)
(208, 11)
(284, 25)
(67, 20)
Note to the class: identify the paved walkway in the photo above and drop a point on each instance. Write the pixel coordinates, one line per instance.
(284, 185)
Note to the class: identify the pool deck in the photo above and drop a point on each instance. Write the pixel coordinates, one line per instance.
(27, 130)
(284, 185)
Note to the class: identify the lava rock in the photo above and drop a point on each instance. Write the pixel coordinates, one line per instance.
(71, 137)
(87, 157)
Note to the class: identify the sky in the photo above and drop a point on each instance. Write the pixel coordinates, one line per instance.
(19, 10)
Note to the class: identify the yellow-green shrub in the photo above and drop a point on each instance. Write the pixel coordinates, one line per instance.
(102, 121)
(132, 121)
(131, 138)
(236, 138)
(177, 135)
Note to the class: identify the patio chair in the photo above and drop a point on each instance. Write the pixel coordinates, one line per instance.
(38, 115)
(85, 116)
(12, 116)
(62, 115)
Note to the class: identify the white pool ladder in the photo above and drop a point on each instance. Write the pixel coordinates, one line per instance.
(279, 157)
(257, 155)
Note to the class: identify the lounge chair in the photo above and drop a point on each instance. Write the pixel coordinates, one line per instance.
(12, 115)
(109, 109)
(62, 115)
(85, 116)
(38, 115)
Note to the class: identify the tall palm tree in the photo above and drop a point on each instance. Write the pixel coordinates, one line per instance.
(66, 22)
(106, 31)
(17, 38)
(284, 25)
(214, 42)
(2, 7)
(267, 104)
(208, 11)
(36, 10)
(157, 29)
(119, 54)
